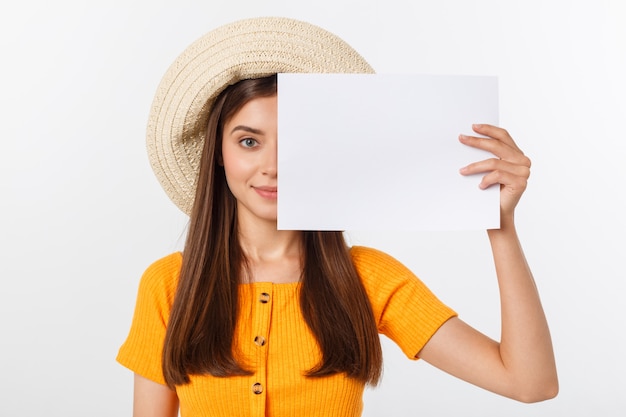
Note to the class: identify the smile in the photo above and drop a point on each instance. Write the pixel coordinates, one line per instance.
(267, 192)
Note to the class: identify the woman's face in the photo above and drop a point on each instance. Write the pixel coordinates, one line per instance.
(249, 156)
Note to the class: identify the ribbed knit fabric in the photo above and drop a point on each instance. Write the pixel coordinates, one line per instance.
(276, 343)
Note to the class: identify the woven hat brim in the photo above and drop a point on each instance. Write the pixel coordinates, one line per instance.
(245, 49)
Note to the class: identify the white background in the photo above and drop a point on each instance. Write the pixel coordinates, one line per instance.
(82, 215)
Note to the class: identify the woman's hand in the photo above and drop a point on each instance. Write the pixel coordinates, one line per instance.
(510, 167)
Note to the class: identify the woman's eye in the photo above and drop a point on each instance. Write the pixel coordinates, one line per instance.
(248, 143)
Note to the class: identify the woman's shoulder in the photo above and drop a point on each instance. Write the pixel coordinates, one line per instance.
(168, 263)
(161, 277)
(370, 261)
(404, 308)
(380, 272)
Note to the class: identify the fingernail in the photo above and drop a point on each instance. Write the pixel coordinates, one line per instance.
(477, 126)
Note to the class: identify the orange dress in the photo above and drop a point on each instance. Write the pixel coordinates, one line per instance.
(277, 344)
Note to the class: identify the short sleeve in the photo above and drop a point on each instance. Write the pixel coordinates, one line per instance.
(141, 352)
(404, 308)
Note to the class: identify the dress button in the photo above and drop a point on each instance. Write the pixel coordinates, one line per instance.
(257, 388)
(264, 298)
(259, 340)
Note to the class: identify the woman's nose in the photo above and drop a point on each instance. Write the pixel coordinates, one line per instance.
(270, 161)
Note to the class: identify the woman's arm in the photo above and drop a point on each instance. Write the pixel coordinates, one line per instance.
(521, 365)
(152, 399)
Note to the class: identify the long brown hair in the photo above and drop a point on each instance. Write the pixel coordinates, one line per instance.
(201, 327)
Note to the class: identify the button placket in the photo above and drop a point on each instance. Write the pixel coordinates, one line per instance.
(264, 298)
(264, 293)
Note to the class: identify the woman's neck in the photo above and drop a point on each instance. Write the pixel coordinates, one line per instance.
(271, 255)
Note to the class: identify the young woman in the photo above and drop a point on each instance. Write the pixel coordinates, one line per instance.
(250, 320)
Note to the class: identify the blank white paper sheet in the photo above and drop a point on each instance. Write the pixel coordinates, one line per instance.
(381, 152)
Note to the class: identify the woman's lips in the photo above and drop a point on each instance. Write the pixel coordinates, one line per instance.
(267, 192)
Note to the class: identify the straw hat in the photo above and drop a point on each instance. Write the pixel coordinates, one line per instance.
(251, 48)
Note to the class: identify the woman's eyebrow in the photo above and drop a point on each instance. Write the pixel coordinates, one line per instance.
(246, 129)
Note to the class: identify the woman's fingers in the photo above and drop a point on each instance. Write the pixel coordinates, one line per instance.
(495, 132)
(510, 168)
(515, 183)
(496, 165)
(498, 142)
(504, 149)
